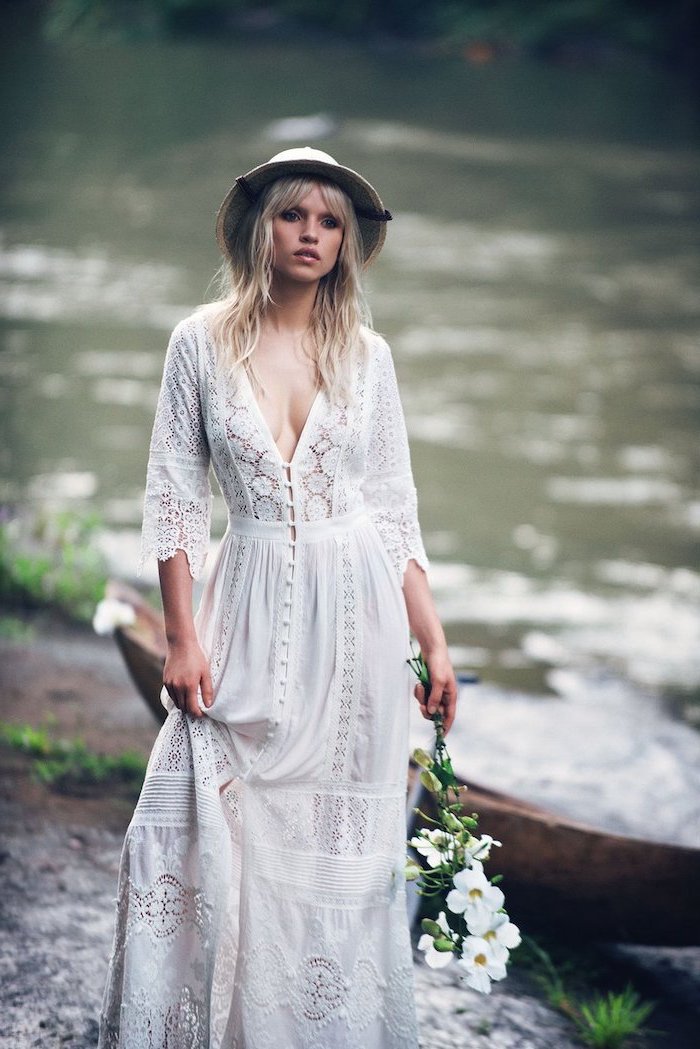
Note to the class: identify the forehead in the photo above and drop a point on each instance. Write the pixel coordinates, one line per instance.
(319, 196)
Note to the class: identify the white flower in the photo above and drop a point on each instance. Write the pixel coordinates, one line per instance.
(474, 896)
(480, 965)
(480, 848)
(436, 959)
(111, 613)
(436, 845)
(500, 933)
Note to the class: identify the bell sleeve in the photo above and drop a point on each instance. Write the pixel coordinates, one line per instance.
(178, 497)
(388, 487)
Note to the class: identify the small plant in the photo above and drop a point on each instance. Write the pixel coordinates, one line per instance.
(12, 628)
(70, 767)
(607, 1022)
(52, 560)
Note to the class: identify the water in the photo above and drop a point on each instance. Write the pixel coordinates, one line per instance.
(540, 290)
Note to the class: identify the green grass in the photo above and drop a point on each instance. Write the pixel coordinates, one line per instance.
(609, 1022)
(70, 766)
(52, 560)
(604, 1019)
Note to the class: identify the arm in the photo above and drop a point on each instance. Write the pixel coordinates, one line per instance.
(425, 624)
(177, 515)
(391, 498)
(186, 667)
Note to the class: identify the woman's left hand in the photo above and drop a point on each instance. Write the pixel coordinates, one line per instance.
(443, 694)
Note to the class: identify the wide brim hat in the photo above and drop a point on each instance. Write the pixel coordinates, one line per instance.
(372, 216)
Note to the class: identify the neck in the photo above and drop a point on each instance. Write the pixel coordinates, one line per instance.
(292, 305)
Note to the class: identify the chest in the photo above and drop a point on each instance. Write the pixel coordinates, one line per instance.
(285, 403)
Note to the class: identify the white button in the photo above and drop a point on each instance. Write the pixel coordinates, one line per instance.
(284, 660)
(285, 622)
(277, 721)
(288, 482)
(291, 542)
(287, 600)
(290, 502)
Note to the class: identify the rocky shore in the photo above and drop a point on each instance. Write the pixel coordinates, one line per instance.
(58, 867)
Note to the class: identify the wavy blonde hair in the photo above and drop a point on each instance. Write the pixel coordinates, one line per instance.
(340, 316)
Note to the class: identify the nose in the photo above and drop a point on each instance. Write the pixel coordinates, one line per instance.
(308, 233)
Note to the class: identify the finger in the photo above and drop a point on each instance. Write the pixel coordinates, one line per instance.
(435, 697)
(174, 694)
(207, 689)
(419, 693)
(451, 706)
(192, 702)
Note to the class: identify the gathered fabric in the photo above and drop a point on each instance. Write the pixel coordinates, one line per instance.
(261, 895)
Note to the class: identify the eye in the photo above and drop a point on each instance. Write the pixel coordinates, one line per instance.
(330, 222)
(289, 215)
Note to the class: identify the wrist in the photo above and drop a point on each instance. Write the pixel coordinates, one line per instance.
(432, 646)
(177, 638)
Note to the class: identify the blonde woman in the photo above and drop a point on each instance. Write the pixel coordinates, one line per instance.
(261, 896)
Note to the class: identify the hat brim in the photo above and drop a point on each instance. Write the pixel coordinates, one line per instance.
(371, 214)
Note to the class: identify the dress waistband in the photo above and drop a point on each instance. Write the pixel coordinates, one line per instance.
(305, 531)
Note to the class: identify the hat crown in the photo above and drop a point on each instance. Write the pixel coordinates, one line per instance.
(303, 153)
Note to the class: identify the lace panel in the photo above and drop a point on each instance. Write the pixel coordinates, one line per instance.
(348, 660)
(259, 469)
(178, 497)
(228, 607)
(320, 461)
(327, 997)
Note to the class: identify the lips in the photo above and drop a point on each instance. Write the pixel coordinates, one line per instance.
(308, 253)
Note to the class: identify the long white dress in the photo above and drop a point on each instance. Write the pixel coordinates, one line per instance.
(261, 899)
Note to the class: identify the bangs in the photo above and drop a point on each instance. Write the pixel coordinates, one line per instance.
(289, 192)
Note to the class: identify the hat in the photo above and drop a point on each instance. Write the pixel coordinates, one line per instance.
(372, 216)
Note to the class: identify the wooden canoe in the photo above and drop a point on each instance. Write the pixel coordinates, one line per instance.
(559, 875)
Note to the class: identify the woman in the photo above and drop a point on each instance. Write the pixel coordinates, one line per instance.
(261, 896)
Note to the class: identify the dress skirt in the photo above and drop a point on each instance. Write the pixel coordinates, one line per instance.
(261, 900)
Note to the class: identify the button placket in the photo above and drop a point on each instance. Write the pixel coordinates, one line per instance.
(289, 584)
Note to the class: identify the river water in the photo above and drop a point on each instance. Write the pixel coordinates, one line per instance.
(539, 287)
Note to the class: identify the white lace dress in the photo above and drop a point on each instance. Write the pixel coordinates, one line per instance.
(261, 900)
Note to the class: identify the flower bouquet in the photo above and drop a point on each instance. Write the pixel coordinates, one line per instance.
(474, 928)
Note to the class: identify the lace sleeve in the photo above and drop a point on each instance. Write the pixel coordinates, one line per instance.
(178, 499)
(389, 490)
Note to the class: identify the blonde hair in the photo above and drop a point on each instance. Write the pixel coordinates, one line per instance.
(340, 315)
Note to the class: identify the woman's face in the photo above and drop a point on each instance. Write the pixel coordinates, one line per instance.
(306, 240)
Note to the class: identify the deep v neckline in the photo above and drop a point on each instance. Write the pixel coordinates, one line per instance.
(264, 426)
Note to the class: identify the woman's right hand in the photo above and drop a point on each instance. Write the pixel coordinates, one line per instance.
(186, 671)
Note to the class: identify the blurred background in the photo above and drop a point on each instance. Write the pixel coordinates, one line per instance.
(539, 288)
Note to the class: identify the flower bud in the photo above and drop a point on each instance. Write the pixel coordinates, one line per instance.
(432, 928)
(430, 781)
(443, 944)
(412, 872)
(422, 758)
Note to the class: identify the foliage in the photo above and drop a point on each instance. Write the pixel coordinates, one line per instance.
(52, 560)
(539, 26)
(70, 767)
